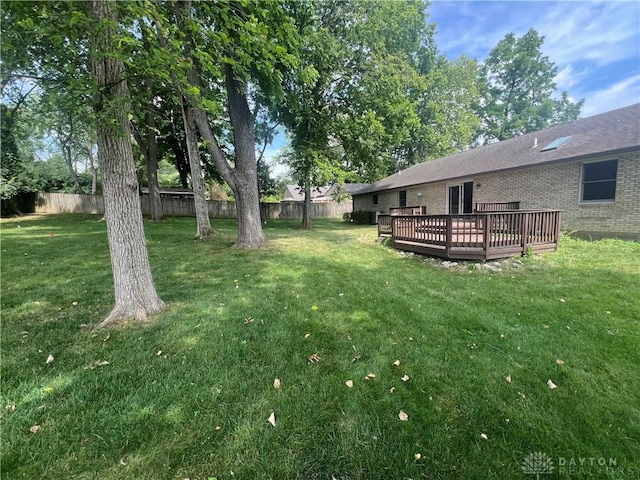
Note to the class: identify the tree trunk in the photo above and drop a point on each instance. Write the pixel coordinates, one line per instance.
(93, 169)
(135, 293)
(250, 234)
(306, 210)
(197, 181)
(155, 201)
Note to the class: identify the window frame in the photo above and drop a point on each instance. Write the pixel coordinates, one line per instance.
(402, 193)
(375, 199)
(581, 199)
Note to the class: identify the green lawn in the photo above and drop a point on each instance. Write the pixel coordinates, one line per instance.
(189, 394)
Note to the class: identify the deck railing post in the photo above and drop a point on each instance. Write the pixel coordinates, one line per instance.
(486, 233)
(449, 224)
(525, 233)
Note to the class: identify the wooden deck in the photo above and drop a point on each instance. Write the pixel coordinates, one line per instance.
(479, 236)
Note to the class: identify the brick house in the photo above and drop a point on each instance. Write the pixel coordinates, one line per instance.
(589, 169)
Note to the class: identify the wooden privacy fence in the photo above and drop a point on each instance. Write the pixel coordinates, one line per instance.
(479, 236)
(184, 207)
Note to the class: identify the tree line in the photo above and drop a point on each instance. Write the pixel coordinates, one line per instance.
(359, 87)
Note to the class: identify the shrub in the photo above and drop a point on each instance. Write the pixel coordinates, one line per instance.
(361, 217)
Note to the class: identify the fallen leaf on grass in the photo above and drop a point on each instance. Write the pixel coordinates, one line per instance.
(551, 385)
(276, 383)
(314, 307)
(306, 335)
(97, 363)
(34, 429)
(403, 416)
(49, 359)
(560, 362)
(48, 389)
(484, 436)
(349, 383)
(370, 376)
(508, 379)
(315, 358)
(397, 363)
(405, 378)
(417, 456)
(248, 320)
(272, 419)
(392, 389)
(356, 358)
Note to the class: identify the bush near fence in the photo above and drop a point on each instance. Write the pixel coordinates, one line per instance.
(184, 207)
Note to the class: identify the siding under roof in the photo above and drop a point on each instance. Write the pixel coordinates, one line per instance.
(611, 132)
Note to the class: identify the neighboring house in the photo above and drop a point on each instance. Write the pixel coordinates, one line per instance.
(327, 193)
(589, 169)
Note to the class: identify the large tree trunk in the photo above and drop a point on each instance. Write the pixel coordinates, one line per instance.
(135, 293)
(203, 225)
(250, 234)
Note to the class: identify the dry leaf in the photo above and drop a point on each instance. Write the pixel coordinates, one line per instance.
(508, 379)
(158, 353)
(405, 378)
(34, 429)
(417, 456)
(356, 358)
(397, 363)
(315, 358)
(403, 416)
(562, 300)
(522, 395)
(306, 335)
(248, 320)
(560, 362)
(272, 419)
(122, 462)
(218, 427)
(371, 375)
(483, 436)
(11, 408)
(276, 383)
(392, 389)
(101, 363)
(49, 359)
(349, 383)
(74, 303)
(551, 385)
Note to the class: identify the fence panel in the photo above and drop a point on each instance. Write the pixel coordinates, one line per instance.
(184, 207)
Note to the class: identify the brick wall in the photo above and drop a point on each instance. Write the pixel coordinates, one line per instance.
(552, 186)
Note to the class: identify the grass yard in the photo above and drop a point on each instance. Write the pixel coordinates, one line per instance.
(189, 395)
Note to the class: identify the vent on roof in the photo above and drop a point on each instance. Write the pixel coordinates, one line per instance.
(556, 143)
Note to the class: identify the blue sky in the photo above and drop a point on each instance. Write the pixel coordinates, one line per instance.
(594, 45)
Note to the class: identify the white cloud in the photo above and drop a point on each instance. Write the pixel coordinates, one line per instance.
(565, 79)
(620, 94)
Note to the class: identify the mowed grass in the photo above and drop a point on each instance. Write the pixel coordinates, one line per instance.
(189, 394)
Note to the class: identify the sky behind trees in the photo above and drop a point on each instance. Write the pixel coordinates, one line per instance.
(595, 45)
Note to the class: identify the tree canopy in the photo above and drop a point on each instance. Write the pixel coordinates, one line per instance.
(517, 82)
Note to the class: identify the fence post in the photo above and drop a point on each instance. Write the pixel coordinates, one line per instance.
(486, 233)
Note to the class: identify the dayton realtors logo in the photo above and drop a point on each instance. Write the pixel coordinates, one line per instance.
(537, 463)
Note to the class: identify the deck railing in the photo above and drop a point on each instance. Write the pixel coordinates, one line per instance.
(480, 235)
(413, 210)
(384, 225)
(497, 206)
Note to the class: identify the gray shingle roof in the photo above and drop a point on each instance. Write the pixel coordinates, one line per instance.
(611, 132)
